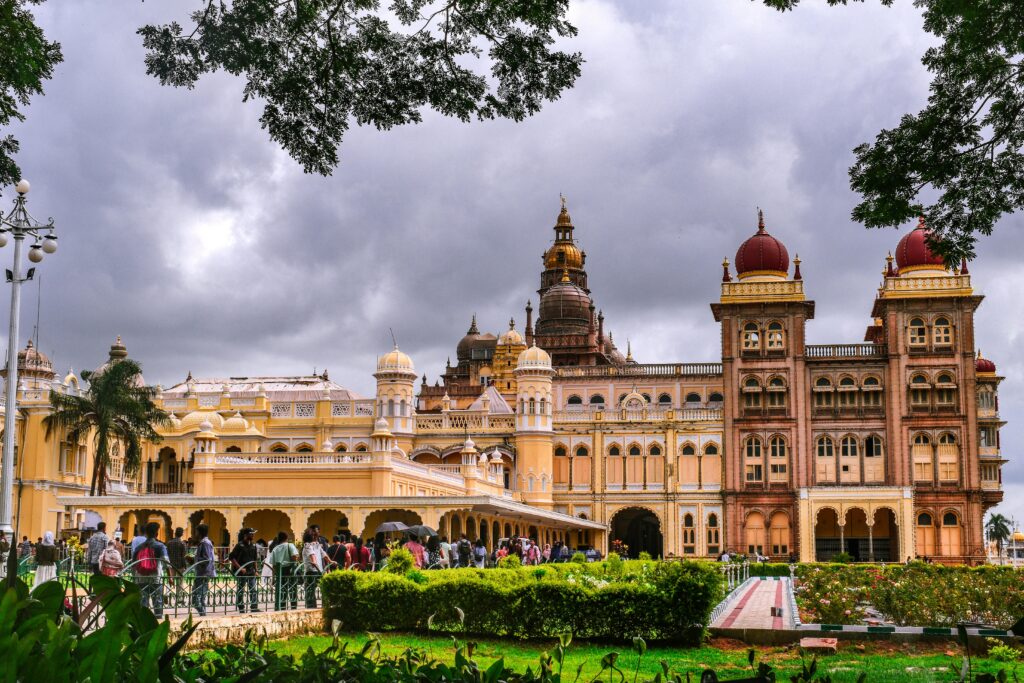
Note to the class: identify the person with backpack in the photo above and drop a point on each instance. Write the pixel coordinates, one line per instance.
(245, 566)
(465, 550)
(148, 558)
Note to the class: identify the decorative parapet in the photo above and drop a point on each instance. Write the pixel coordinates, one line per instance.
(476, 421)
(941, 285)
(644, 370)
(768, 290)
(844, 351)
(649, 414)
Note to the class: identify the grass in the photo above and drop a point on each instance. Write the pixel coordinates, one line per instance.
(881, 660)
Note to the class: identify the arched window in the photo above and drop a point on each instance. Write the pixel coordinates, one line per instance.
(341, 448)
(635, 450)
(560, 452)
(715, 397)
(754, 466)
(925, 535)
(391, 407)
(582, 452)
(692, 400)
(776, 393)
(689, 535)
(711, 449)
(872, 396)
(823, 392)
(921, 454)
(826, 447)
(825, 463)
(754, 532)
(945, 390)
(647, 397)
(924, 519)
(278, 448)
(361, 448)
(919, 391)
(614, 451)
(849, 447)
(776, 337)
(714, 535)
(622, 397)
(597, 399)
(752, 393)
(664, 400)
(575, 400)
(777, 461)
(950, 519)
(950, 535)
(847, 393)
(942, 332)
(918, 333)
(874, 466)
(751, 337)
(543, 406)
(948, 453)
(533, 406)
(688, 449)
(655, 450)
(304, 448)
(986, 399)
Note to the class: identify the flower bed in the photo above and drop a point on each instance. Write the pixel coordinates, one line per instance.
(916, 594)
(615, 600)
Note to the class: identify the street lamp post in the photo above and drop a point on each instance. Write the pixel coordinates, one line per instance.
(18, 224)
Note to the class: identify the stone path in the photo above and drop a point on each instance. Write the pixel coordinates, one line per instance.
(753, 608)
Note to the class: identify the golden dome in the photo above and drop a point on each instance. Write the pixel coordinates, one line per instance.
(196, 418)
(510, 337)
(395, 361)
(236, 423)
(534, 357)
(1018, 536)
(563, 255)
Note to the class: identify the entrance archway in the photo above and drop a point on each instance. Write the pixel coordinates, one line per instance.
(134, 522)
(826, 535)
(268, 523)
(378, 517)
(331, 522)
(219, 534)
(640, 529)
(885, 539)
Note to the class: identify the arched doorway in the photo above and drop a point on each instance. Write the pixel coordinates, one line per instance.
(378, 517)
(856, 535)
(826, 535)
(134, 522)
(885, 540)
(331, 522)
(640, 529)
(219, 534)
(268, 523)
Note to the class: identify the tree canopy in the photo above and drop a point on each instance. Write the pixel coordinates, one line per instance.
(318, 66)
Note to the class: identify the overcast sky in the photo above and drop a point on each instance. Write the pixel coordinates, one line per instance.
(184, 229)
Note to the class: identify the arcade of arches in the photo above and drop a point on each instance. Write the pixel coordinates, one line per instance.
(640, 530)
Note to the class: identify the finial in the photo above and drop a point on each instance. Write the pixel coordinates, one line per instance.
(424, 379)
(726, 276)
(796, 268)
(449, 363)
(889, 270)
(189, 378)
(600, 315)
(472, 326)
(327, 377)
(511, 323)
(920, 223)
(979, 354)
(118, 342)
(760, 220)
(562, 197)
(529, 305)
(565, 275)
(629, 350)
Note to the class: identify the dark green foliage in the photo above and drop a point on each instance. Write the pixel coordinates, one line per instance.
(115, 409)
(320, 65)
(769, 569)
(28, 59)
(653, 600)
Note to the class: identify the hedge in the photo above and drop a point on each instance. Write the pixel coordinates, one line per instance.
(915, 594)
(769, 569)
(653, 600)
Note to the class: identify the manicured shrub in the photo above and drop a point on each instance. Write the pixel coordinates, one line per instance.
(644, 555)
(769, 569)
(400, 561)
(654, 600)
(510, 561)
(614, 564)
(578, 558)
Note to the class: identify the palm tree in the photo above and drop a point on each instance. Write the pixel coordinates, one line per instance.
(117, 408)
(998, 528)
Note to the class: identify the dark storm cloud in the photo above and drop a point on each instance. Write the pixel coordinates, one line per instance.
(184, 229)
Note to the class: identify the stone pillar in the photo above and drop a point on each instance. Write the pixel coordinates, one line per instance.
(871, 539)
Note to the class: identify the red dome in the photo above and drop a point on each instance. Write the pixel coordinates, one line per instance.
(913, 249)
(984, 365)
(762, 252)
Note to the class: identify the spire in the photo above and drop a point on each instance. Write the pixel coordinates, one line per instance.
(796, 269)
(889, 270)
(629, 351)
(565, 275)
(760, 220)
(963, 267)
(564, 220)
(921, 224)
(511, 323)
(726, 277)
(472, 327)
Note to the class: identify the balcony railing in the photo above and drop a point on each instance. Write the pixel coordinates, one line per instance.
(651, 413)
(474, 421)
(291, 458)
(643, 369)
(844, 351)
(162, 488)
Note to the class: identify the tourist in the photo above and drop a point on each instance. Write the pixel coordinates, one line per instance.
(362, 553)
(479, 554)
(350, 548)
(433, 553)
(46, 560)
(110, 562)
(566, 553)
(176, 553)
(263, 557)
(149, 557)
(546, 553)
(337, 554)
(283, 559)
(465, 551)
(206, 568)
(138, 540)
(25, 547)
(244, 564)
(312, 566)
(383, 551)
(5, 549)
(95, 547)
(414, 547)
(446, 552)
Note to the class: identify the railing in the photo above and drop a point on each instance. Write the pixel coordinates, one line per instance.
(645, 414)
(475, 421)
(430, 471)
(292, 458)
(164, 488)
(733, 574)
(844, 351)
(644, 369)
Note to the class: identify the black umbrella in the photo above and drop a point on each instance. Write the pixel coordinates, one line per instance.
(421, 530)
(391, 526)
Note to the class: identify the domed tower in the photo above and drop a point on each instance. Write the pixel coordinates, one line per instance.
(506, 355)
(563, 256)
(34, 367)
(915, 257)
(396, 377)
(534, 448)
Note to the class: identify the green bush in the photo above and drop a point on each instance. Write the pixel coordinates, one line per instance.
(644, 555)
(842, 558)
(769, 569)
(510, 561)
(578, 558)
(400, 561)
(614, 564)
(654, 600)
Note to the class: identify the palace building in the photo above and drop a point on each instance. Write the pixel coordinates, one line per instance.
(883, 449)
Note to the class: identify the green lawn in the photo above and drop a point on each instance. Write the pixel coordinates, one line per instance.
(889, 662)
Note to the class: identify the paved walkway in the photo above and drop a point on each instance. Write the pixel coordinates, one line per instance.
(753, 608)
